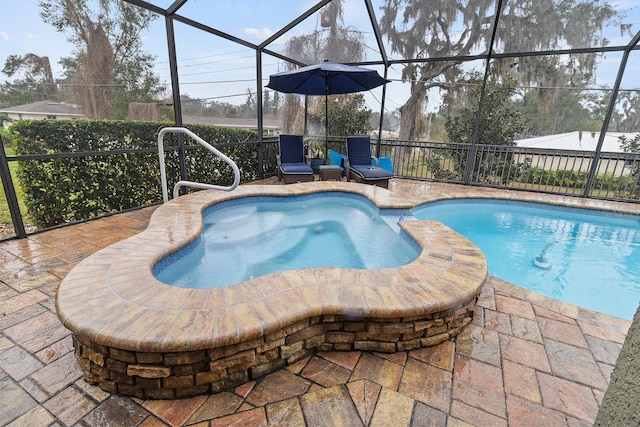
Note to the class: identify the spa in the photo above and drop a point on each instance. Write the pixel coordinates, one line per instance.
(136, 335)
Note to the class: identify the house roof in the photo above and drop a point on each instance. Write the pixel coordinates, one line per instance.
(45, 107)
(578, 140)
(274, 124)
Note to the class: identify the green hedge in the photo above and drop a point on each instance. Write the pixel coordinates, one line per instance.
(71, 189)
(623, 186)
(557, 178)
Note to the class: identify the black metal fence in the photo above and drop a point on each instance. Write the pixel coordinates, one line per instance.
(563, 172)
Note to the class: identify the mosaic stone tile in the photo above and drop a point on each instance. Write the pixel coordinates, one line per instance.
(526, 413)
(562, 332)
(473, 416)
(575, 364)
(330, 406)
(277, 386)
(215, 406)
(427, 384)
(377, 370)
(285, 413)
(568, 397)
(58, 374)
(521, 381)
(70, 406)
(21, 402)
(480, 344)
(21, 301)
(440, 356)
(526, 353)
(253, 417)
(364, 394)
(19, 363)
(325, 373)
(392, 408)
(38, 416)
(479, 385)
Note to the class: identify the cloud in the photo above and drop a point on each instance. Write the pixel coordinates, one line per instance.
(258, 33)
(4, 36)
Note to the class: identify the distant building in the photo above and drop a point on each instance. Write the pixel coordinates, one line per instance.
(578, 150)
(269, 126)
(578, 140)
(44, 110)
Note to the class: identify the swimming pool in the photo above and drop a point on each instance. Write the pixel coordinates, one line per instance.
(253, 237)
(584, 257)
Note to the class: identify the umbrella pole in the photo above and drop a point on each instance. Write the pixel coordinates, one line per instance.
(306, 114)
(326, 121)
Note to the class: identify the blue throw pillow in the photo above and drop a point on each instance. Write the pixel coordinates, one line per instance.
(335, 158)
(385, 163)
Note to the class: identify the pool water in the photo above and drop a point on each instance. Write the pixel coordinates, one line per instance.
(586, 258)
(253, 237)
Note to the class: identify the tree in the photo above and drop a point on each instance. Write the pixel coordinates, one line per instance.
(271, 106)
(36, 84)
(336, 43)
(564, 112)
(109, 68)
(423, 29)
(626, 118)
(498, 123)
(631, 145)
(266, 102)
(348, 115)
(249, 108)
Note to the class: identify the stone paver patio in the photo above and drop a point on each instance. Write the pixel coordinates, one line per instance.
(525, 360)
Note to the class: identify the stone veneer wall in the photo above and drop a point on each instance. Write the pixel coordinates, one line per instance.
(171, 375)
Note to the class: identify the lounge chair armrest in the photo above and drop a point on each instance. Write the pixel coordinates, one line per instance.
(347, 172)
(375, 161)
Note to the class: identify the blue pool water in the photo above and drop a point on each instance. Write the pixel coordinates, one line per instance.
(586, 258)
(253, 237)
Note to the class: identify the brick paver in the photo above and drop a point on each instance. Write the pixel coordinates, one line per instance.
(526, 359)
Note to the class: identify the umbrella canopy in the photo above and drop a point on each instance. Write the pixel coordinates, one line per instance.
(326, 78)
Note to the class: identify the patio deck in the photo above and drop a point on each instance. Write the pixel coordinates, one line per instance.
(525, 360)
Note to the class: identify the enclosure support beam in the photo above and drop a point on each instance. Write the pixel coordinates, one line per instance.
(259, 112)
(471, 157)
(10, 193)
(175, 88)
(593, 171)
(381, 122)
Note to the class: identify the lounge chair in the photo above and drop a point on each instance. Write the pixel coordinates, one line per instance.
(359, 163)
(291, 160)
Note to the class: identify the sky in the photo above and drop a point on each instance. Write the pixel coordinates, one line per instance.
(217, 69)
(210, 67)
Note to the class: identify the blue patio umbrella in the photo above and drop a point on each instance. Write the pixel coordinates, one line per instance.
(326, 78)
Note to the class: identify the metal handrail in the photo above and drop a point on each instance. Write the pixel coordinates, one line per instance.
(176, 188)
